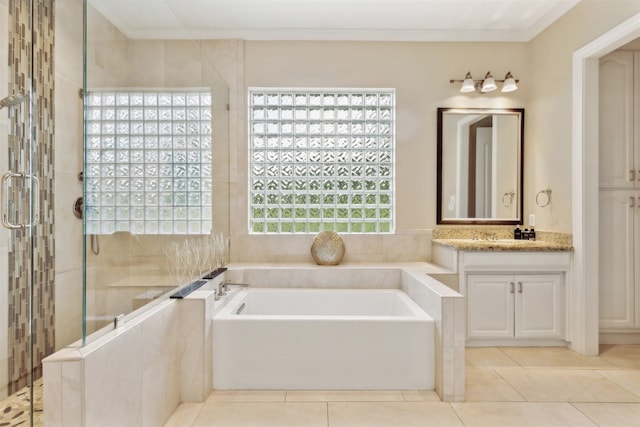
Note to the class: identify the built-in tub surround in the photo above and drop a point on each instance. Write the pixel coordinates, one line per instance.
(323, 339)
(139, 373)
(439, 301)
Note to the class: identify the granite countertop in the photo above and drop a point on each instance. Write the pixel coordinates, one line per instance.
(503, 245)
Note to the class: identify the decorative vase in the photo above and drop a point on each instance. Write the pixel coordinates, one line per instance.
(327, 248)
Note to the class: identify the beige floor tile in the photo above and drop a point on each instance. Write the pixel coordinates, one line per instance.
(487, 357)
(262, 414)
(611, 414)
(485, 385)
(520, 414)
(247, 396)
(557, 385)
(555, 357)
(563, 389)
(185, 415)
(392, 414)
(420, 396)
(623, 356)
(627, 379)
(344, 396)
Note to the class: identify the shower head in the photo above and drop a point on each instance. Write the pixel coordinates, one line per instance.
(11, 101)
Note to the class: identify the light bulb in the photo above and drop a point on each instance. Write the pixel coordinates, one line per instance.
(488, 84)
(468, 85)
(509, 83)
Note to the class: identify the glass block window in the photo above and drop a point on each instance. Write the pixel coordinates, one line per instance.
(321, 159)
(148, 162)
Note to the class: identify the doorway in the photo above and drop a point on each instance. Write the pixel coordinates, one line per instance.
(585, 147)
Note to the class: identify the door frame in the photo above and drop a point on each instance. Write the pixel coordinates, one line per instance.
(585, 305)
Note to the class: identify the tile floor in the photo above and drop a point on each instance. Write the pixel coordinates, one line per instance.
(15, 410)
(512, 387)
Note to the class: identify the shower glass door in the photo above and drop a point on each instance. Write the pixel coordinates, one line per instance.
(26, 243)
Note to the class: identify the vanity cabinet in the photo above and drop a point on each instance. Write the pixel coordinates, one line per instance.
(515, 298)
(515, 306)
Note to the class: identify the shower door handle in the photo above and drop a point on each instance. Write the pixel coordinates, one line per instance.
(5, 201)
(6, 178)
(35, 194)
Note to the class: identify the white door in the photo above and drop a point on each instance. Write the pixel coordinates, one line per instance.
(539, 306)
(617, 158)
(490, 306)
(618, 210)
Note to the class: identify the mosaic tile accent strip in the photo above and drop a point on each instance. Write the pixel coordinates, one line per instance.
(31, 257)
(148, 162)
(321, 160)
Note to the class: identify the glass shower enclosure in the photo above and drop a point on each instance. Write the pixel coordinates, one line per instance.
(26, 234)
(156, 164)
(133, 134)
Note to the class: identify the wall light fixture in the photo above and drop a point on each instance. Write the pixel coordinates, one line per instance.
(488, 84)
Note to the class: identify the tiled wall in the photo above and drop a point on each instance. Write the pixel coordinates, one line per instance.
(31, 259)
(138, 374)
(4, 234)
(68, 139)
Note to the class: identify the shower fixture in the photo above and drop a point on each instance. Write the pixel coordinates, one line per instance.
(11, 101)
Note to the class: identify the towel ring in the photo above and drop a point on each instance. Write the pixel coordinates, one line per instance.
(507, 199)
(540, 201)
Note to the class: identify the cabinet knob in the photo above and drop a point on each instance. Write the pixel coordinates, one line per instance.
(519, 287)
(512, 287)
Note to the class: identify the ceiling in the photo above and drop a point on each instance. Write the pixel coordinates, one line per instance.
(392, 20)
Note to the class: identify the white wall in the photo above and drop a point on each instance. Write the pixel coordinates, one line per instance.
(420, 73)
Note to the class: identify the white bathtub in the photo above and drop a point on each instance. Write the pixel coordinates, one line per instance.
(323, 339)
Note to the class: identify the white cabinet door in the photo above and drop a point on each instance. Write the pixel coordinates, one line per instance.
(617, 157)
(539, 306)
(618, 212)
(490, 306)
(515, 306)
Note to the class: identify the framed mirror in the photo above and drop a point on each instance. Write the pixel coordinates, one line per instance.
(480, 158)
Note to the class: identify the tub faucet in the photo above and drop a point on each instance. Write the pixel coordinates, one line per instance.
(221, 291)
(225, 287)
